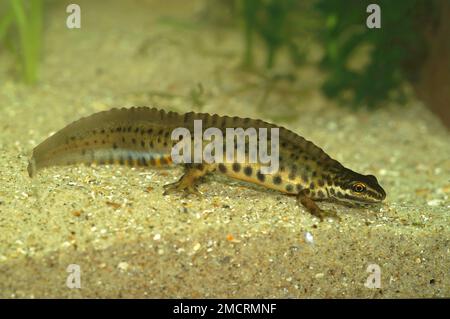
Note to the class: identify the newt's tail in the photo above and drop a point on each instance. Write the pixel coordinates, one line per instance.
(133, 137)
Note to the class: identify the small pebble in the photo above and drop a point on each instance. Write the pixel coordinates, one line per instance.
(434, 202)
(123, 266)
(309, 238)
(76, 213)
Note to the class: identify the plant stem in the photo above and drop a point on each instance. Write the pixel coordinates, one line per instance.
(30, 28)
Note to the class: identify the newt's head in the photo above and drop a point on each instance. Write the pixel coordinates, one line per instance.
(357, 189)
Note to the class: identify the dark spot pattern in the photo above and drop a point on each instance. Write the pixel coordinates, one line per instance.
(248, 171)
(277, 180)
(142, 161)
(222, 168)
(261, 177)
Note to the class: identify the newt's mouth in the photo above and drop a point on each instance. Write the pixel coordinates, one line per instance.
(358, 201)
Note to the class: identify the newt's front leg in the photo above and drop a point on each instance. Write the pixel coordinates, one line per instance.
(188, 182)
(312, 207)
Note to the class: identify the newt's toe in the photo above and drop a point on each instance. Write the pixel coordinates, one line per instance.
(180, 187)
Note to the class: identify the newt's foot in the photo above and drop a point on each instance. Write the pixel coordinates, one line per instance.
(181, 187)
(315, 210)
(187, 183)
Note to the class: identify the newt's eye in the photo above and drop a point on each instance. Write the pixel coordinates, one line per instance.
(359, 187)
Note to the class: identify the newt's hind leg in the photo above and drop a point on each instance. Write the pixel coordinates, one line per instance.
(312, 207)
(187, 183)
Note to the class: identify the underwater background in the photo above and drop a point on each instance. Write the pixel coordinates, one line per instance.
(376, 100)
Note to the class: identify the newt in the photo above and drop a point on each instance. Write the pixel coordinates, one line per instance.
(141, 137)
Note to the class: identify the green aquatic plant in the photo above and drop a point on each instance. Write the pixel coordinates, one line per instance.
(364, 67)
(392, 54)
(21, 29)
(278, 23)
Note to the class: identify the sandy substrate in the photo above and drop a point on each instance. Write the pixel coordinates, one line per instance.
(238, 240)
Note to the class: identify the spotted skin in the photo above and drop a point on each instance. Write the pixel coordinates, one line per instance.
(142, 137)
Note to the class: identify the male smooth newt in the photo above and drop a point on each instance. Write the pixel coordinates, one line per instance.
(141, 136)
